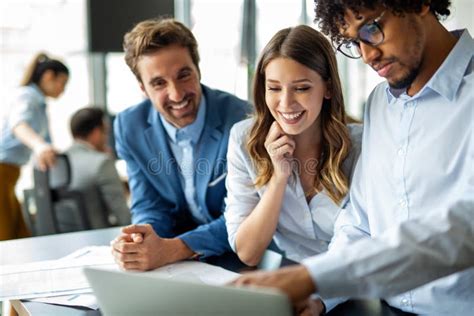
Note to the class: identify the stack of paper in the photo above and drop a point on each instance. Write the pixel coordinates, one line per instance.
(62, 281)
(54, 277)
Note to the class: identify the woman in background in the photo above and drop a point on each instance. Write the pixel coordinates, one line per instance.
(24, 129)
(289, 167)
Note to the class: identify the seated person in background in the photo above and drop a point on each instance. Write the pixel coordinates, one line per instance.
(94, 174)
(175, 146)
(290, 166)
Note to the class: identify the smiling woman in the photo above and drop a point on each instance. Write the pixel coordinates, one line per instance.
(297, 74)
(295, 155)
(295, 98)
(289, 167)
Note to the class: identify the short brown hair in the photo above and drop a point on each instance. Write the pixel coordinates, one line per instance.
(151, 35)
(85, 120)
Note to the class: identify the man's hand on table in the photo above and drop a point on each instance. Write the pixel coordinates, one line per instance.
(294, 281)
(140, 248)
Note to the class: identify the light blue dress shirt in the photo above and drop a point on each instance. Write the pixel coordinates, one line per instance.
(304, 229)
(26, 105)
(184, 143)
(414, 162)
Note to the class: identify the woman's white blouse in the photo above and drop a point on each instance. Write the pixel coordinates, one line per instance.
(304, 229)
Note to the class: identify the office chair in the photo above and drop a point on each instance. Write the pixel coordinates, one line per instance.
(28, 208)
(50, 190)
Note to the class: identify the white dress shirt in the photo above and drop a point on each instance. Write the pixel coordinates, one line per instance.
(414, 163)
(184, 143)
(304, 229)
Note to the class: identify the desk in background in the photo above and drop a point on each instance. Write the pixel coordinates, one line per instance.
(53, 247)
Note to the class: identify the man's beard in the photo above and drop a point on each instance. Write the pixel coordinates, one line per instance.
(406, 81)
(416, 56)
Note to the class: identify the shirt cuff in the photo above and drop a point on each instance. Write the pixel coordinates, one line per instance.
(193, 243)
(330, 303)
(330, 274)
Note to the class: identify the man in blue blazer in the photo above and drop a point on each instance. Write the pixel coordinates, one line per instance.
(175, 145)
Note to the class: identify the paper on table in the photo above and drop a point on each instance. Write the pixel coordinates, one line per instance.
(54, 277)
(51, 280)
(187, 270)
(195, 271)
(82, 300)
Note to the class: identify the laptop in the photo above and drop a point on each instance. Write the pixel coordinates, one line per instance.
(122, 293)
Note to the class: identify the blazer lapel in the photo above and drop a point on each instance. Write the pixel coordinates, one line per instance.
(209, 148)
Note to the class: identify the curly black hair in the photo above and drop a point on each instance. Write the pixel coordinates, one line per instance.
(329, 14)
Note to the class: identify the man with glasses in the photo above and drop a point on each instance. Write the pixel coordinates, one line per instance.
(413, 188)
(369, 33)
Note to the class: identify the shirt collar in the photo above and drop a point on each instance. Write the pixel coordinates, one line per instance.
(192, 131)
(83, 144)
(392, 94)
(448, 77)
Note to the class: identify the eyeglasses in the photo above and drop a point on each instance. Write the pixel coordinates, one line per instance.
(369, 33)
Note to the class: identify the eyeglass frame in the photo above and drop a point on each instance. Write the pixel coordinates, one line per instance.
(357, 41)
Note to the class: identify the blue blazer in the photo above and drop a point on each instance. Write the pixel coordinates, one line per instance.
(157, 196)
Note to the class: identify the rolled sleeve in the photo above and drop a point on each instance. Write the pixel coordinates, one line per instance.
(24, 106)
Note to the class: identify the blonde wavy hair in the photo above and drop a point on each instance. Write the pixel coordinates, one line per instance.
(311, 49)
